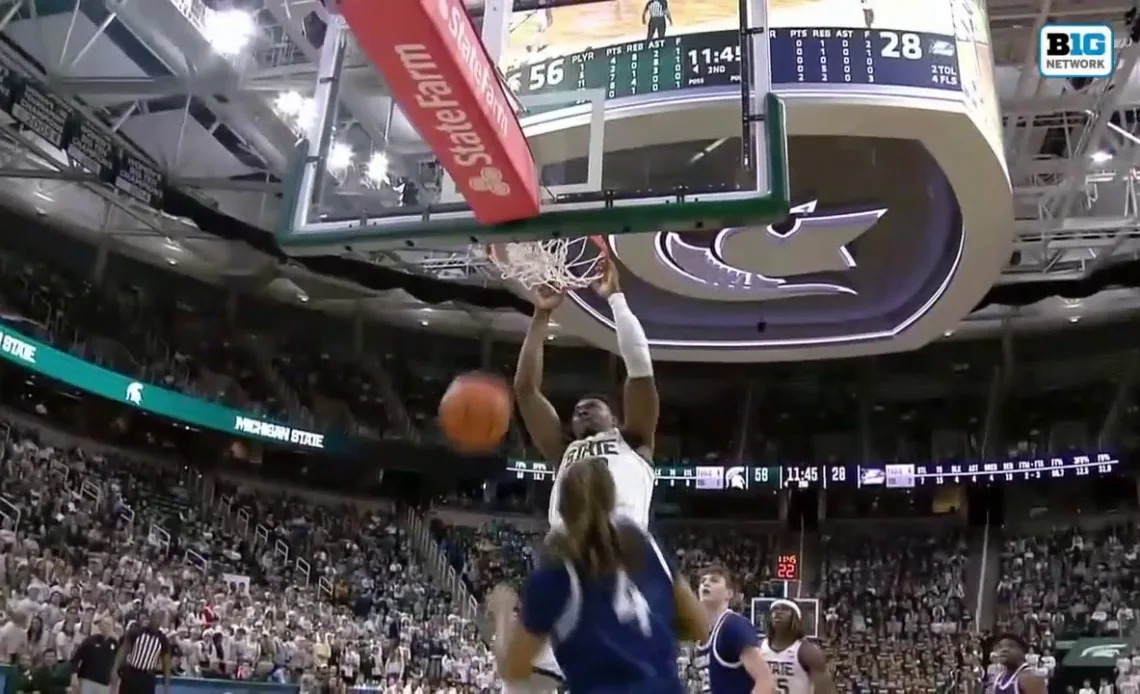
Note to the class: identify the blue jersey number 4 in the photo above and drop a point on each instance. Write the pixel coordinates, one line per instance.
(630, 605)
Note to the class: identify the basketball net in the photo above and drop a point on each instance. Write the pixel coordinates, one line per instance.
(560, 264)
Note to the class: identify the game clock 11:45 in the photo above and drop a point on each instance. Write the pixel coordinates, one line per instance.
(809, 476)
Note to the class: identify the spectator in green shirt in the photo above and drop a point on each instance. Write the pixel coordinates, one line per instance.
(50, 677)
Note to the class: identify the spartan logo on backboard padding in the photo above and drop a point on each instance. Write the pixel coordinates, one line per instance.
(757, 262)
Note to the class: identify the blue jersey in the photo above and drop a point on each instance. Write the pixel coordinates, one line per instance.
(611, 635)
(719, 657)
(1007, 682)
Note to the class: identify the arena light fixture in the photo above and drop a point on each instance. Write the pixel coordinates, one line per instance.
(289, 104)
(229, 31)
(297, 111)
(339, 158)
(1101, 157)
(376, 170)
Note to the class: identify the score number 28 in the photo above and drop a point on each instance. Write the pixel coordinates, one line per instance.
(901, 45)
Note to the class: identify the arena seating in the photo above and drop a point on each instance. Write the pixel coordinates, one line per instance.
(100, 519)
(892, 595)
(1071, 582)
(286, 578)
(172, 336)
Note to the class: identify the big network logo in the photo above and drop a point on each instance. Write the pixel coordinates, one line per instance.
(1076, 51)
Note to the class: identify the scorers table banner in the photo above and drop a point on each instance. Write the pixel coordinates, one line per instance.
(68, 131)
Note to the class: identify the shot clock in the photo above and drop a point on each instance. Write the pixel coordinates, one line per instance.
(788, 567)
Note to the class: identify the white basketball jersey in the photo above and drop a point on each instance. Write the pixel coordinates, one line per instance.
(788, 675)
(633, 477)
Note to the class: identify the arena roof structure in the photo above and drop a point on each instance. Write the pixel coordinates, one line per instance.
(210, 102)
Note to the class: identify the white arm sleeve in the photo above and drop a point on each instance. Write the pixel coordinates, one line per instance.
(632, 344)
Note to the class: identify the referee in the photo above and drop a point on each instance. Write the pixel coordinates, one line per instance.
(144, 651)
(656, 17)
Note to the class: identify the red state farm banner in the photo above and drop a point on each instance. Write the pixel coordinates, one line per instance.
(441, 76)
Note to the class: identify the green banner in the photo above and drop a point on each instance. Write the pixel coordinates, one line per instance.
(1098, 652)
(26, 352)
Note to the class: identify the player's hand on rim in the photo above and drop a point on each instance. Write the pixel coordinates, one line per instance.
(502, 600)
(607, 285)
(547, 298)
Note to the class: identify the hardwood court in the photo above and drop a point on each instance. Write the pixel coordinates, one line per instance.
(540, 35)
(570, 29)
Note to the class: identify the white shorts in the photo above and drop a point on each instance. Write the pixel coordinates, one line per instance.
(547, 676)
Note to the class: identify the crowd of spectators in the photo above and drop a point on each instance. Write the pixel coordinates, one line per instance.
(1062, 583)
(176, 337)
(272, 584)
(89, 537)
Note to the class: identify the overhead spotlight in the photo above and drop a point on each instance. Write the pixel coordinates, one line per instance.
(229, 31)
(339, 158)
(299, 112)
(1100, 157)
(306, 116)
(289, 103)
(376, 170)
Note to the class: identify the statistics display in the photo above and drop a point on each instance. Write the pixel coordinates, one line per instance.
(883, 476)
(46, 116)
(631, 48)
(820, 56)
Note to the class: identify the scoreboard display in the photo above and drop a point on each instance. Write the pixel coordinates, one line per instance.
(877, 475)
(820, 56)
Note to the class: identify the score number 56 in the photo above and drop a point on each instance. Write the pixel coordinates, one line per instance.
(539, 76)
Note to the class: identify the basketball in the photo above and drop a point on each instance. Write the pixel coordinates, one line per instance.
(475, 412)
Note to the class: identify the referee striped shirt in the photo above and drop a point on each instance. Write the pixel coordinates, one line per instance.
(655, 9)
(146, 647)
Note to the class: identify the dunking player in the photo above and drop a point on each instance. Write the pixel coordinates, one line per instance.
(1016, 676)
(798, 666)
(730, 661)
(627, 447)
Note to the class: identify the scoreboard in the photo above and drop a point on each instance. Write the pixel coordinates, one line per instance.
(712, 59)
(877, 475)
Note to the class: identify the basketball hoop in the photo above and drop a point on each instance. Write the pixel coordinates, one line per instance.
(559, 264)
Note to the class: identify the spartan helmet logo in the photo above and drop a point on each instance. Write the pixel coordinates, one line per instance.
(736, 478)
(490, 180)
(1104, 650)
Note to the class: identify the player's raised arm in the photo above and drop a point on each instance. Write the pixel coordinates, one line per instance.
(641, 406)
(538, 414)
(692, 620)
